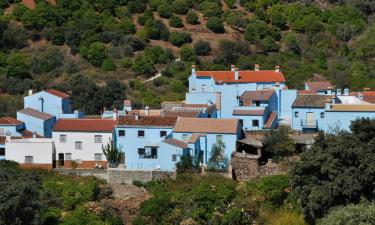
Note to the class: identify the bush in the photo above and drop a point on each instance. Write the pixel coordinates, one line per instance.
(187, 54)
(192, 17)
(215, 24)
(278, 144)
(363, 213)
(269, 45)
(180, 6)
(179, 38)
(155, 29)
(165, 10)
(202, 48)
(210, 8)
(176, 21)
(218, 161)
(97, 53)
(126, 63)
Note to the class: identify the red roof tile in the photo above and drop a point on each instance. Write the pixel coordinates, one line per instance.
(260, 95)
(57, 93)
(85, 125)
(319, 85)
(270, 120)
(245, 76)
(306, 92)
(9, 121)
(182, 114)
(147, 121)
(175, 142)
(35, 113)
(368, 96)
(206, 125)
(248, 112)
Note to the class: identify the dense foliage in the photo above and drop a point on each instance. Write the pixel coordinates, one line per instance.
(336, 171)
(278, 144)
(103, 40)
(41, 197)
(351, 215)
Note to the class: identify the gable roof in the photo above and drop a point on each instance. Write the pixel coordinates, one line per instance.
(85, 125)
(244, 76)
(35, 113)
(311, 101)
(9, 121)
(175, 142)
(319, 85)
(353, 107)
(57, 93)
(206, 125)
(147, 121)
(181, 114)
(260, 95)
(250, 112)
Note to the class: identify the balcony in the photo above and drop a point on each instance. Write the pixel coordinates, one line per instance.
(309, 124)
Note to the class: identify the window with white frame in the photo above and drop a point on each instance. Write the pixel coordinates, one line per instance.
(219, 138)
(185, 137)
(2, 131)
(148, 153)
(98, 157)
(68, 156)
(79, 160)
(78, 145)
(62, 138)
(163, 133)
(29, 159)
(98, 138)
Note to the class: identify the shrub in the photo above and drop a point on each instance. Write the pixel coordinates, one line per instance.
(217, 161)
(165, 10)
(97, 53)
(187, 54)
(202, 48)
(269, 45)
(176, 21)
(155, 29)
(215, 24)
(126, 63)
(192, 17)
(278, 144)
(180, 7)
(210, 8)
(179, 38)
(108, 65)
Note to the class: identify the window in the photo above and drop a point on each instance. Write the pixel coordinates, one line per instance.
(193, 90)
(78, 145)
(29, 159)
(241, 122)
(322, 115)
(148, 153)
(98, 138)
(2, 151)
(256, 103)
(255, 123)
(141, 133)
(68, 156)
(98, 157)
(219, 138)
(185, 137)
(163, 133)
(62, 138)
(204, 88)
(296, 114)
(121, 133)
(174, 157)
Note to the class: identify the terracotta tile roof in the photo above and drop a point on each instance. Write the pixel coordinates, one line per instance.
(306, 92)
(206, 125)
(142, 112)
(310, 101)
(57, 93)
(261, 95)
(182, 114)
(245, 76)
(9, 121)
(147, 121)
(353, 108)
(248, 112)
(270, 120)
(319, 85)
(368, 96)
(24, 133)
(175, 142)
(194, 137)
(35, 113)
(127, 103)
(84, 125)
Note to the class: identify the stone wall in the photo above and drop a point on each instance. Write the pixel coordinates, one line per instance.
(99, 173)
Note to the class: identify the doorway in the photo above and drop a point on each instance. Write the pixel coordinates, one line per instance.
(310, 119)
(61, 159)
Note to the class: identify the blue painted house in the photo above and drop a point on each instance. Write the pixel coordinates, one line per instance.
(319, 87)
(40, 122)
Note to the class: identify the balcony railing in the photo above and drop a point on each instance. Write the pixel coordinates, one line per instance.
(309, 123)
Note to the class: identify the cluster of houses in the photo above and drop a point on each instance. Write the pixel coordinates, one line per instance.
(220, 106)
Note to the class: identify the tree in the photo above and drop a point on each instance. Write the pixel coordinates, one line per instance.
(215, 24)
(187, 54)
(175, 21)
(363, 213)
(179, 38)
(108, 65)
(97, 53)
(192, 17)
(202, 48)
(165, 10)
(155, 29)
(278, 144)
(269, 45)
(112, 154)
(337, 170)
(291, 42)
(143, 65)
(18, 65)
(180, 6)
(210, 8)
(218, 161)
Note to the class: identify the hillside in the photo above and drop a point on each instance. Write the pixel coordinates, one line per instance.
(102, 51)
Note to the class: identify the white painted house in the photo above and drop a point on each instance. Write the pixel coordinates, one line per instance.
(81, 140)
(31, 152)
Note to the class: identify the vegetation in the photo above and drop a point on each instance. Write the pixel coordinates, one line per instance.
(278, 144)
(362, 213)
(112, 154)
(218, 161)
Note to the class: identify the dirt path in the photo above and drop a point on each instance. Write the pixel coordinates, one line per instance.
(127, 199)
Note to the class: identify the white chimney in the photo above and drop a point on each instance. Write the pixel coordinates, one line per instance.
(136, 116)
(34, 134)
(346, 91)
(277, 69)
(338, 92)
(114, 114)
(8, 136)
(192, 69)
(30, 92)
(236, 74)
(232, 67)
(360, 96)
(147, 110)
(256, 67)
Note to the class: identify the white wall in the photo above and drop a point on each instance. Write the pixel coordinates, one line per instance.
(89, 147)
(40, 148)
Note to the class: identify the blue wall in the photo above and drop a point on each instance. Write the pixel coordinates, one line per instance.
(41, 127)
(296, 121)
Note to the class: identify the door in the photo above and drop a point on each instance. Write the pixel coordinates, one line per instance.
(61, 159)
(310, 118)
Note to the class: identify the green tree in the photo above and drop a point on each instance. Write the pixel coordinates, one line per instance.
(187, 54)
(108, 65)
(18, 65)
(210, 8)
(202, 48)
(180, 6)
(192, 17)
(175, 21)
(97, 53)
(217, 160)
(291, 42)
(278, 144)
(165, 10)
(269, 45)
(155, 29)
(363, 213)
(179, 38)
(143, 65)
(215, 24)
(112, 154)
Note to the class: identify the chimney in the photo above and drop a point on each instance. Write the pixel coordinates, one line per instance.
(346, 91)
(192, 69)
(366, 89)
(360, 96)
(329, 90)
(147, 110)
(30, 92)
(34, 134)
(277, 68)
(328, 104)
(338, 92)
(136, 116)
(236, 74)
(127, 105)
(8, 136)
(114, 114)
(277, 84)
(232, 67)
(256, 67)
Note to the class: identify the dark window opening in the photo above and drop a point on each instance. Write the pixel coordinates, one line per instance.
(255, 123)
(2, 151)
(141, 133)
(121, 133)
(163, 133)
